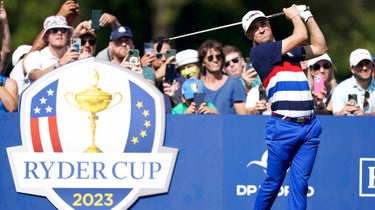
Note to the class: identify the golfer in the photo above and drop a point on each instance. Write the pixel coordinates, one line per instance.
(292, 132)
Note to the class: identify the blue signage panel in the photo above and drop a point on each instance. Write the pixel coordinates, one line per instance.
(222, 160)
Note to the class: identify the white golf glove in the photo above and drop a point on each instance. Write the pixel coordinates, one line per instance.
(304, 12)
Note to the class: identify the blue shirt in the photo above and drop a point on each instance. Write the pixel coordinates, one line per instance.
(224, 98)
(285, 82)
(350, 86)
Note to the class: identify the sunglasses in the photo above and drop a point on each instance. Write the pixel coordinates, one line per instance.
(218, 57)
(316, 66)
(365, 102)
(360, 65)
(90, 41)
(234, 60)
(55, 30)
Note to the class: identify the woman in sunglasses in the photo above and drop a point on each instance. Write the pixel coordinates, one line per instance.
(226, 93)
(322, 81)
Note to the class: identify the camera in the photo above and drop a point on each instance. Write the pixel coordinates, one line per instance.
(76, 44)
(198, 99)
(170, 73)
(171, 52)
(95, 16)
(262, 94)
(133, 56)
(352, 99)
(148, 48)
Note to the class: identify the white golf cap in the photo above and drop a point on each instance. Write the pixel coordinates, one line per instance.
(325, 56)
(19, 52)
(358, 55)
(186, 57)
(250, 17)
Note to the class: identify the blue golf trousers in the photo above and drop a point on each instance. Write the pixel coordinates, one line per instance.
(294, 145)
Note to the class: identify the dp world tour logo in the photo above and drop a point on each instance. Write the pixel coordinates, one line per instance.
(92, 138)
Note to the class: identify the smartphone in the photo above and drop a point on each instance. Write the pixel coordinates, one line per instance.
(170, 73)
(198, 99)
(171, 52)
(249, 64)
(318, 83)
(133, 56)
(352, 98)
(95, 16)
(76, 44)
(148, 48)
(262, 94)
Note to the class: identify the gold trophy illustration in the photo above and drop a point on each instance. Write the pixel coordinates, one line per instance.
(93, 100)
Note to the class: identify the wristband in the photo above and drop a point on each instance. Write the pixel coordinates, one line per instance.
(57, 64)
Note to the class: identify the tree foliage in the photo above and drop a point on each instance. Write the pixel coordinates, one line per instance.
(347, 25)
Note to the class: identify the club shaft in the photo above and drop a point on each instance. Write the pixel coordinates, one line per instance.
(219, 27)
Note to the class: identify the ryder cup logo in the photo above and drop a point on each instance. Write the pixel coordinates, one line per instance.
(92, 137)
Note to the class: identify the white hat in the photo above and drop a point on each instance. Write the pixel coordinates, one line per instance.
(19, 52)
(325, 56)
(358, 55)
(250, 17)
(186, 57)
(55, 22)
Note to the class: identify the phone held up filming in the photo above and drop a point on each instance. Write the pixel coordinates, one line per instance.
(318, 83)
(76, 44)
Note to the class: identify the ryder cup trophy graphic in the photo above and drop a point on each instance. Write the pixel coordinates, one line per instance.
(93, 100)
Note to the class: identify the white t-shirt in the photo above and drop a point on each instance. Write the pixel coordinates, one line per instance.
(252, 97)
(17, 74)
(39, 60)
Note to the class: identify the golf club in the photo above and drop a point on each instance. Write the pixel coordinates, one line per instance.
(160, 43)
(219, 27)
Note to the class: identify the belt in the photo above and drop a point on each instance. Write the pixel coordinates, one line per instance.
(293, 119)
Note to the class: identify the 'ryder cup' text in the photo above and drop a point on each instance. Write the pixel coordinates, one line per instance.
(90, 170)
(104, 170)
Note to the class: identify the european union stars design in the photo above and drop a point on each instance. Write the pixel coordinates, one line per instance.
(142, 127)
(147, 123)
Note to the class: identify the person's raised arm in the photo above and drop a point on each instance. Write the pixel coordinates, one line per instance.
(318, 44)
(6, 46)
(69, 10)
(299, 35)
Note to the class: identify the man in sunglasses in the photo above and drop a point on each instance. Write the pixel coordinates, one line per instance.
(235, 66)
(57, 34)
(292, 130)
(356, 95)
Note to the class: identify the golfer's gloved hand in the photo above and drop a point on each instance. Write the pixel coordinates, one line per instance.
(304, 12)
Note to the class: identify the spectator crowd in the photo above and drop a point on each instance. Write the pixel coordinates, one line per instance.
(215, 78)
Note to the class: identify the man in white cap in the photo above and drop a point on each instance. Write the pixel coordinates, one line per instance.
(292, 130)
(356, 95)
(57, 34)
(18, 72)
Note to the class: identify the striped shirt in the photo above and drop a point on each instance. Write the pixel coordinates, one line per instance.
(285, 82)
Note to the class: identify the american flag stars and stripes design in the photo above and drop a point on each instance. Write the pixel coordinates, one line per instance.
(43, 123)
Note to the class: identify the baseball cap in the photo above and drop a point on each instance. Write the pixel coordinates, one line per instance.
(92, 33)
(55, 22)
(186, 57)
(325, 56)
(250, 17)
(120, 32)
(19, 52)
(358, 55)
(192, 86)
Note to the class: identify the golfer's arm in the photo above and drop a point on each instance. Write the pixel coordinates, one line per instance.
(298, 37)
(318, 44)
